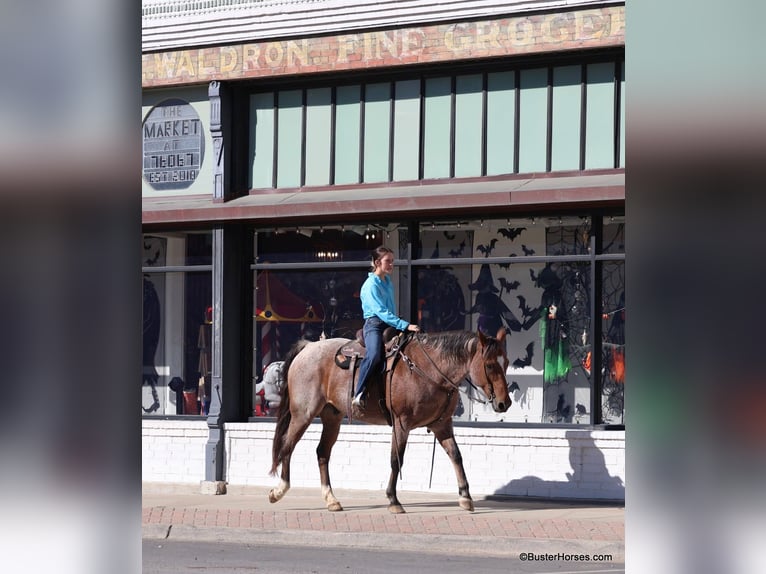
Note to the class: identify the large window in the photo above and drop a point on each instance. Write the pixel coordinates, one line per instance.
(556, 284)
(516, 120)
(177, 313)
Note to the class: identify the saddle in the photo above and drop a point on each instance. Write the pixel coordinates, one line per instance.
(357, 350)
(348, 355)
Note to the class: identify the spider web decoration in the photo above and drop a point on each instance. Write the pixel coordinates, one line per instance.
(613, 334)
(572, 293)
(575, 300)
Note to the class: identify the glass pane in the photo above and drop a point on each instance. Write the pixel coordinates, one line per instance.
(438, 106)
(544, 309)
(262, 140)
(319, 244)
(482, 238)
(318, 120)
(294, 305)
(468, 125)
(613, 344)
(407, 130)
(501, 114)
(599, 130)
(347, 130)
(566, 235)
(614, 234)
(377, 132)
(177, 312)
(533, 120)
(567, 97)
(564, 340)
(177, 249)
(290, 129)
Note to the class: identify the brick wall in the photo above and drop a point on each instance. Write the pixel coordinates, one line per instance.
(173, 451)
(551, 463)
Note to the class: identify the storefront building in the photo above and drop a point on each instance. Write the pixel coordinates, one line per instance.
(482, 141)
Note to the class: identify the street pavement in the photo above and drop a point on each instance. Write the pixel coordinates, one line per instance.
(433, 522)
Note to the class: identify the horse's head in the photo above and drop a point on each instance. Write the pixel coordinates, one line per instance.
(488, 368)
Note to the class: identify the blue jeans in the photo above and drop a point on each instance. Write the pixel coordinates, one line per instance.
(373, 342)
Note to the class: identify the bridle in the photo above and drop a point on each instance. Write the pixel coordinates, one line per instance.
(454, 386)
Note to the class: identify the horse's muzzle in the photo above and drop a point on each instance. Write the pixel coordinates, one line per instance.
(501, 406)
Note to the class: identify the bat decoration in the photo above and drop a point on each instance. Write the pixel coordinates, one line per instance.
(504, 265)
(533, 276)
(514, 387)
(511, 233)
(526, 310)
(153, 260)
(520, 363)
(450, 236)
(508, 286)
(487, 249)
(457, 252)
(526, 250)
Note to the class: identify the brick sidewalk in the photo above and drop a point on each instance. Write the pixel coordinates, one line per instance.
(459, 524)
(546, 521)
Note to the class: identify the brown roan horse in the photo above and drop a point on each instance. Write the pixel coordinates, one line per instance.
(422, 392)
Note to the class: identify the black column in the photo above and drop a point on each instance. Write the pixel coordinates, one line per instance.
(229, 402)
(232, 292)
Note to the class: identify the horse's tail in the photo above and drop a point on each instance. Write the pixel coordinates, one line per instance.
(284, 416)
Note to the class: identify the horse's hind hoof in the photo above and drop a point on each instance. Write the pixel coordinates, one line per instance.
(396, 509)
(334, 507)
(466, 504)
(273, 497)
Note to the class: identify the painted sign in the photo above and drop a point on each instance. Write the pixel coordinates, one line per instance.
(531, 34)
(174, 145)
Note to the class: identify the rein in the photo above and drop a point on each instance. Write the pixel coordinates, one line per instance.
(413, 367)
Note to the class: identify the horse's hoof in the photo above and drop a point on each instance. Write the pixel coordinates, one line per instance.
(396, 509)
(273, 497)
(466, 504)
(334, 507)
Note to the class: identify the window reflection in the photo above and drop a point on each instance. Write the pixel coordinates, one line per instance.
(176, 343)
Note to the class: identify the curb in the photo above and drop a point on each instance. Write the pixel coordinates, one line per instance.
(421, 543)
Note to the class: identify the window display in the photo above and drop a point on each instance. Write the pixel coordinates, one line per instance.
(554, 283)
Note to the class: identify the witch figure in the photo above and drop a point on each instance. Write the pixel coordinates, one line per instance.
(493, 312)
(553, 326)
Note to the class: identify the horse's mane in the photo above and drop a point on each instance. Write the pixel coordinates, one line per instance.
(460, 346)
(455, 346)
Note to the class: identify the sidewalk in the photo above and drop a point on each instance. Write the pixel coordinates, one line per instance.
(433, 522)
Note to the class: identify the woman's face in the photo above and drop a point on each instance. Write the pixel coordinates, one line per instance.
(385, 265)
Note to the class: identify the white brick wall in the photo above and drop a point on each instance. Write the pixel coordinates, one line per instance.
(173, 451)
(564, 463)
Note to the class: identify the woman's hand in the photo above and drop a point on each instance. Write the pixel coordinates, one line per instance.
(414, 328)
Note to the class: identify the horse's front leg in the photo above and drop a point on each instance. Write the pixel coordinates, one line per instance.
(398, 445)
(331, 420)
(446, 437)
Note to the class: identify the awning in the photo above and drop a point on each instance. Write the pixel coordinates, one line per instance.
(394, 200)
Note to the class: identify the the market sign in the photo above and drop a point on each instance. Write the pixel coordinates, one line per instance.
(174, 145)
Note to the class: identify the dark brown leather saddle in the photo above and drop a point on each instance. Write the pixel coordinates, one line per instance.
(356, 350)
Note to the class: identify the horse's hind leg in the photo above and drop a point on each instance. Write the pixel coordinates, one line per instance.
(398, 445)
(446, 437)
(292, 436)
(331, 420)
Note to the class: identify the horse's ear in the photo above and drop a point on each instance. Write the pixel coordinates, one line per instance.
(500, 334)
(482, 338)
